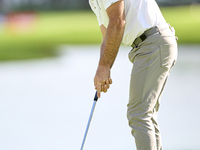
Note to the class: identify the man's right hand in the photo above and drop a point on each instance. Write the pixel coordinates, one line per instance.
(102, 80)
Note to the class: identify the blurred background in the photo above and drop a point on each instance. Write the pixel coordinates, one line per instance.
(41, 25)
(49, 50)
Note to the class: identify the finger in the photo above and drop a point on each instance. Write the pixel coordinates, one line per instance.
(95, 87)
(103, 82)
(107, 84)
(110, 80)
(105, 88)
(98, 88)
(102, 88)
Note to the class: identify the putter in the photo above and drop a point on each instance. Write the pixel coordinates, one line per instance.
(90, 118)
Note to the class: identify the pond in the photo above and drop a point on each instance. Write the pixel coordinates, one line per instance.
(45, 104)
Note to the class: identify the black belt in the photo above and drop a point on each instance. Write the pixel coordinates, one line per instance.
(142, 37)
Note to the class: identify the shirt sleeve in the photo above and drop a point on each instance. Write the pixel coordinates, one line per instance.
(108, 3)
(96, 12)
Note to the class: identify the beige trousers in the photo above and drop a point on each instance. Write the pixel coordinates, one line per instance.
(152, 61)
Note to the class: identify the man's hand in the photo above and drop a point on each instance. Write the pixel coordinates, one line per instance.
(102, 80)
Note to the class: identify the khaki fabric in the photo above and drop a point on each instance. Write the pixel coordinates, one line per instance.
(152, 61)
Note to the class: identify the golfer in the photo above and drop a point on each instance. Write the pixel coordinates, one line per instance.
(140, 25)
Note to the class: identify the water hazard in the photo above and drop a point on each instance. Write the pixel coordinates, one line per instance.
(45, 104)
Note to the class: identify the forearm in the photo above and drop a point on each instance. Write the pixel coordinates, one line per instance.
(111, 43)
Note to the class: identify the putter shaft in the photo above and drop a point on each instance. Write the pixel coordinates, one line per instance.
(90, 118)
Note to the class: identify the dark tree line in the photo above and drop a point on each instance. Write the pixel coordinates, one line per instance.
(176, 2)
(44, 5)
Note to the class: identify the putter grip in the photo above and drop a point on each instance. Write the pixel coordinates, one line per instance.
(95, 97)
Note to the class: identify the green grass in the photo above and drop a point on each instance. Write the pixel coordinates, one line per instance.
(59, 27)
(186, 21)
(18, 51)
(49, 30)
(81, 27)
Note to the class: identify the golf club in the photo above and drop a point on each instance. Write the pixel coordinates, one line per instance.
(90, 118)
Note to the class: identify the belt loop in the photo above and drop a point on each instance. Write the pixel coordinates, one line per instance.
(158, 29)
(133, 45)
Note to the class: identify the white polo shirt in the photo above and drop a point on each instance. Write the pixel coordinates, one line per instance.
(140, 16)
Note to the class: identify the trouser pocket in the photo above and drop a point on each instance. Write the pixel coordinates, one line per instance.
(168, 53)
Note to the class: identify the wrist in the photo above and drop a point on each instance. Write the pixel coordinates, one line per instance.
(103, 67)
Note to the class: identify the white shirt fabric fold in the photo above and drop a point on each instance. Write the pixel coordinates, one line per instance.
(140, 15)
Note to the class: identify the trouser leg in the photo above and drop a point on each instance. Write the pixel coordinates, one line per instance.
(157, 133)
(151, 68)
(155, 122)
(146, 84)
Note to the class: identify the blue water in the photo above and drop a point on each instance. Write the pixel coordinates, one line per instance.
(45, 104)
